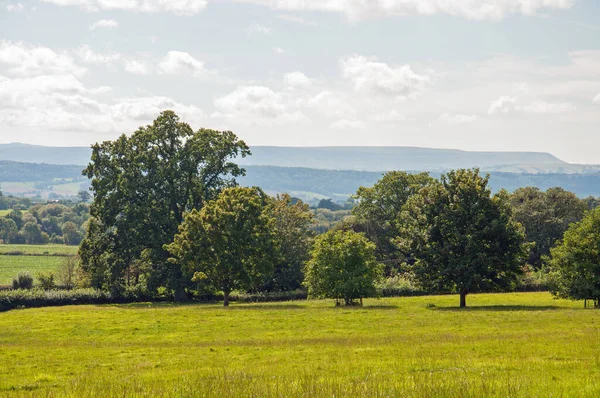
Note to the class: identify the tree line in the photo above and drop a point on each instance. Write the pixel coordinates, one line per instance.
(169, 218)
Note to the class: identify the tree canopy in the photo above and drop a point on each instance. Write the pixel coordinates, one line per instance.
(343, 266)
(229, 243)
(142, 186)
(575, 263)
(461, 237)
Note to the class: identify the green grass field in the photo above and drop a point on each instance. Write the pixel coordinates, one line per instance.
(504, 345)
(4, 212)
(39, 249)
(10, 266)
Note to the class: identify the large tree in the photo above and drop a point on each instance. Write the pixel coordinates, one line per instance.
(142, 185)
(230, 243)
(378, 211)
(8, 230)
(461, 237)
(291, 223)
(545, 217)
(343, 266)
(575, 263)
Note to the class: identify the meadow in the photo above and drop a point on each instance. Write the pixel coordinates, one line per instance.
(31, 258)
(503, 345)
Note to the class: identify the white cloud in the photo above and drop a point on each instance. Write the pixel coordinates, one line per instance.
(137, 67)
(596, 99)
(470, 9)
(180, 63)
(296, 79)
(377, 77)
(88, 56)
(544, 107)
(15, 7)
(506, 104)
(279, 50)
(457, 118)
(29, 60)
(295, 19)
(257, 28)
(255, 105)
(147, 108)
(104, 24)
(329, 104)
(503, 104)
(178, 7)
(347, 124)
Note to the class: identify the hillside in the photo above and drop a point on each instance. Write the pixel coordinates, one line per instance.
(332, 158)
(306, 183)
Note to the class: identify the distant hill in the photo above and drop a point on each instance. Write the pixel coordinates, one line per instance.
(305, 183)
(389, 158)
(336, 158)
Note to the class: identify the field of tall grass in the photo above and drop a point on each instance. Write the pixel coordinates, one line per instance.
(503, 345)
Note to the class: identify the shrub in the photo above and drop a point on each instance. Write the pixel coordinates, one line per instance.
(67, 272)
(11, 299)
(23, 281)
(46, 280)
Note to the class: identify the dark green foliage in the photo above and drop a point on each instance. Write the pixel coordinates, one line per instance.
(8, 230)
(143, 185)
(23, 281)
(343, 266)
(291, 224)
(575, 263)
(46, 280)
(545, 217)
(462, 238)
(378, 211)
(230, 243)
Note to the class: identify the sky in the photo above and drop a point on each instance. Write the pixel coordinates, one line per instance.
(496, 75)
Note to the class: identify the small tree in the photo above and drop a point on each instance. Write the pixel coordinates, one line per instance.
(343, 266)
(66, 273)
(575, 263)
(84, 196)
(229, 243)
(8, 230)
(462, 238)
(24, 280)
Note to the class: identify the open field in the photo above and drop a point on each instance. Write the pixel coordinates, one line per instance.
(4, 212)
(39, 250)
(521, 344)
(10, 266)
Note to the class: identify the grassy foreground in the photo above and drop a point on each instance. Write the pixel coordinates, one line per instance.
(504, 345)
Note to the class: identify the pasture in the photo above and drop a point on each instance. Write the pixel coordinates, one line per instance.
(519, 344)
(32, 258)
(10, 266)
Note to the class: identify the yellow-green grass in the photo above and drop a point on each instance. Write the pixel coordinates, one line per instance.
(504, 345)
(4, 212)
(10, 266)
(39, 249)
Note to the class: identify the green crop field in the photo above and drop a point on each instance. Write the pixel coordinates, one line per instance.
(10, 266)
(39, 249)
(504, 345)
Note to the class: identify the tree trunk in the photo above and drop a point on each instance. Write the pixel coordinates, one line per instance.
(463, 298)
(226, 298)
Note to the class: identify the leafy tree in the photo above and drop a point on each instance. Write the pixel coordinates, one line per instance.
(575, 263)
(143, 185)
(291, 223)
(545, 217)
(229, 243)
(8, 230)
(17, 217)
(33, 234)
(329, 205)
(379, 207)
(71, 233)
(461, 237)
(84, 196)
(343, 266)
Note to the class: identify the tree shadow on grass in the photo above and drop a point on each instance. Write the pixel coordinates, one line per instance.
(498, 308)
